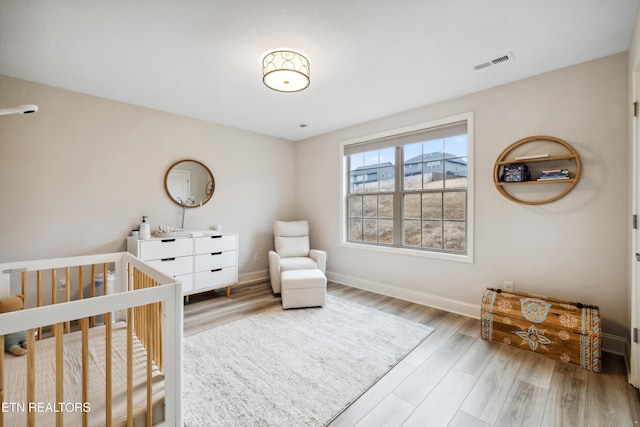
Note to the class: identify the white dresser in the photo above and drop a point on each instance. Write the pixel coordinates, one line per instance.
(201, 263)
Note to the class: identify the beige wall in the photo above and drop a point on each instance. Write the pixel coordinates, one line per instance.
(575, 248)
(76, 176)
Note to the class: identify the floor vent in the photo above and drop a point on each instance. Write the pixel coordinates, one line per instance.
(495, 61)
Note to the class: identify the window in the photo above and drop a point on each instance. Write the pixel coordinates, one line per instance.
(411, 189)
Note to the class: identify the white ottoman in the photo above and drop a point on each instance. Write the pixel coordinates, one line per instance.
(303, 288)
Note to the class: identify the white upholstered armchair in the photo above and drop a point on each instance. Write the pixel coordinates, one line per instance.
(292, 251)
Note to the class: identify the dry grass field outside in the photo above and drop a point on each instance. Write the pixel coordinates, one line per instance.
(432, 219)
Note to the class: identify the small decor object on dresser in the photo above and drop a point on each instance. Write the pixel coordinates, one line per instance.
(558, 329)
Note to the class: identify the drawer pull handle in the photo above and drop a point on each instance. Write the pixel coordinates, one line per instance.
(217, 269)
(216, 237)
(216, 253)
(168, 259)
(167, 240)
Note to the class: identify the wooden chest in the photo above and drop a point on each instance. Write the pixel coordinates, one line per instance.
(561, 330)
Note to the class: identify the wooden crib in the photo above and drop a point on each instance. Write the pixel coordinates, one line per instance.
(95, 356)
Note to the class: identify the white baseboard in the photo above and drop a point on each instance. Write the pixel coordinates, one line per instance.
(614, 344)
(610, 343)
(253, 277)
(446, 304)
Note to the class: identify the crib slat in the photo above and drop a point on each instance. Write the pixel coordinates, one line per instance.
(84, 326)
(53, 286)
(80, 282)
(31, 375)
(154, 328)
(24, 288)
(104, 278)
(93, 285)
(153, 337)
(59, 333)
(150, 334)
(54, 293)
(159, 362)
(93, 291)
(39, 297)
(108, 373)
(129, 367)
(67, 287)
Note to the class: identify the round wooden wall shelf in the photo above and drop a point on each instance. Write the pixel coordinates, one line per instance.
(540, 154)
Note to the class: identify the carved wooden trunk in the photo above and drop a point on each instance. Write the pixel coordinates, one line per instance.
(562, 330)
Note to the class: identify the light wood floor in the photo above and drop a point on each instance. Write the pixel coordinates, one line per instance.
(454, 378)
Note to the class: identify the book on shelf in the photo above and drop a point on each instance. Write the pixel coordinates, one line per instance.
(552, 171)
(555, 174)
(553, 178)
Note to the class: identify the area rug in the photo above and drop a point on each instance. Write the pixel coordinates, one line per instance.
(291, 367)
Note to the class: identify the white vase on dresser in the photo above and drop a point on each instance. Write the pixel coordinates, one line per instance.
(201, 263)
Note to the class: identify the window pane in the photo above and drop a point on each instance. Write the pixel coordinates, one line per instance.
(370, 206)
(412, 233)
(432, 234)
(369, 172)
(412, 153)
(412, 166)
(356, 173)
(432, 175)
(454, 236)
(456, 146)
(413, 176)
(432, 206)
(412, 206)
(355, 207)
(371, 158)
(433, 149)
(370, 177)
(370, 230)
(456, 173)
(373, 171)
(355, 230)
(386, 172)
(385, 231)
(385, 206)
(455, 205)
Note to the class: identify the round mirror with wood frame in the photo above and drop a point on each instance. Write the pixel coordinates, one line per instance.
(189, 183)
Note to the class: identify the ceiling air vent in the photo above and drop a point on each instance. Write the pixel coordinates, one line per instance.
(495, 61)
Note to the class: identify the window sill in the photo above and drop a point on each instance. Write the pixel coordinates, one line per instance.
(465, 258)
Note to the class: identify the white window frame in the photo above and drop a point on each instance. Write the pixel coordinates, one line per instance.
(344, 191)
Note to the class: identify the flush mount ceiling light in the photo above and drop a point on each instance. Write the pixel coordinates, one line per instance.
(285, 71)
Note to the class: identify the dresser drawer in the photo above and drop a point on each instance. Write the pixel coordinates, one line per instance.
(217, 278)
(165, 248)
(173, 266)
(208, 244)
(215, 260)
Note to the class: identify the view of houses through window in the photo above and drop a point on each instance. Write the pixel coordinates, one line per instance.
(410, 191)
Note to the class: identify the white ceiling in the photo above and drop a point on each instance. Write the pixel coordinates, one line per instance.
(369, 59)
